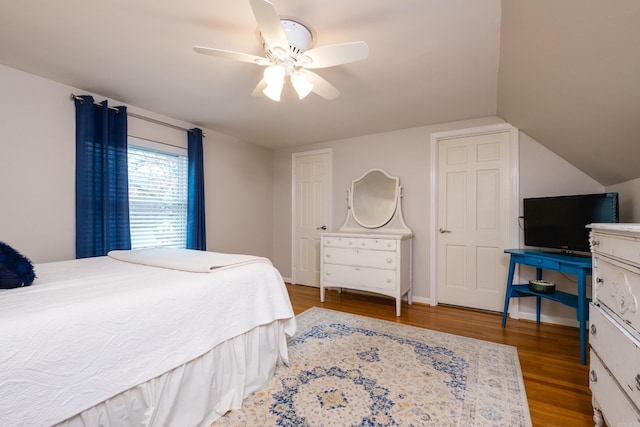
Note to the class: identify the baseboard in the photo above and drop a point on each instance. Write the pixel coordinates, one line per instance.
(563, 321)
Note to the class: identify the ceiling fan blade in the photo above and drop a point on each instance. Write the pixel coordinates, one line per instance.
(269, 24)
(321, 86)
(259, 88)
(228, 54)
(334, 54)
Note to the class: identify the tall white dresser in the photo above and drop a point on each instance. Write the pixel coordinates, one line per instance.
(372, 250)
(614, 367)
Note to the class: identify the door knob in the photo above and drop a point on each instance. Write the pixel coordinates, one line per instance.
(442, 230)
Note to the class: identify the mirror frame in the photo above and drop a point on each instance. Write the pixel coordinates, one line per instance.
(374, 198)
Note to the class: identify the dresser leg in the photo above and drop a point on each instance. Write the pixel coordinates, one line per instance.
(598, 419)
(398, 305)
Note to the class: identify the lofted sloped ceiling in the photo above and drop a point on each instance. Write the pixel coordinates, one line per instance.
(570, 78)
(565, 72)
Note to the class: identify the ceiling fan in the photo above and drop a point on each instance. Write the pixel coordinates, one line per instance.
(286, 44)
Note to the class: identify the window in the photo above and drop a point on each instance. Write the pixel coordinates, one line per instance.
(157, 194)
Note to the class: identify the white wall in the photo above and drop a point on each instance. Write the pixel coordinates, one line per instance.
(37, 165)
(629, 199)
(238, 197)
(543, 173)
(37, 169)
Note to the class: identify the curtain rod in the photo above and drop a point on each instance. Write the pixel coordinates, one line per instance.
(138, 116)
(77, 98)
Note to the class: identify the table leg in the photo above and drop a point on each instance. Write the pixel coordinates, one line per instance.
(507, 294)
(538, 299)
(582, 314)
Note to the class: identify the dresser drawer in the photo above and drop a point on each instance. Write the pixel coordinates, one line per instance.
(622, 247)
(539, 262)
(360, 277)
(361, 258)
(618, 349)
(378, 244)
(616, 407)
(363, 243)
(617, 286)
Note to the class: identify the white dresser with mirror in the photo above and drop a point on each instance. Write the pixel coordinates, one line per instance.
(372, 250)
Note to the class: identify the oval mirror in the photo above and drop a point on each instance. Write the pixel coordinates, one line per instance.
(374, 198)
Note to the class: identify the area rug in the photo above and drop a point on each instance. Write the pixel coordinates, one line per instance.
(348, 370)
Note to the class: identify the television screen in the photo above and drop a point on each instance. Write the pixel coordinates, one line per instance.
(560, 222)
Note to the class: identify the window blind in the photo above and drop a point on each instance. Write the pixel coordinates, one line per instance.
(157, 198)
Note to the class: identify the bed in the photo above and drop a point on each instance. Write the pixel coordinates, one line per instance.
(160, 337)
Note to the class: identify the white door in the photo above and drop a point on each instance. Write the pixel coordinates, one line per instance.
(310, 215)
(474, 200)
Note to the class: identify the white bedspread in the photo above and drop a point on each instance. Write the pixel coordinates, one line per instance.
(88, 329)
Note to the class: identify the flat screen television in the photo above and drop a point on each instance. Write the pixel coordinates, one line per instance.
(559, 223)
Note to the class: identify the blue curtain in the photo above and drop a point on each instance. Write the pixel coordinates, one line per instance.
(196, 230)
(102, 185)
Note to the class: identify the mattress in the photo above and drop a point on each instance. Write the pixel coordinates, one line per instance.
(89, 329)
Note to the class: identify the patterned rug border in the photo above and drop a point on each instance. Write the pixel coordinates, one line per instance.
(313, 309)
(324, 386)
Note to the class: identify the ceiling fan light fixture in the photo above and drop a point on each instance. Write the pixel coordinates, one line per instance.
(274, 75)
(273, 92)
(301, 84)
(288, 45)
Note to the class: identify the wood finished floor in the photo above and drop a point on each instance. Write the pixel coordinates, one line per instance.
(555, 381)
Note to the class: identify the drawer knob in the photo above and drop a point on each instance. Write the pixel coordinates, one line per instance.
(638, 381)
(593, 376)
(593, 329)
(327, 273)
(595, 243)
(328, 255)
(389, 260)
(351, 243)
(599, 280)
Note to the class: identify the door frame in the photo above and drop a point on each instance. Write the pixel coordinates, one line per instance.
(294, 157)
(514, 203)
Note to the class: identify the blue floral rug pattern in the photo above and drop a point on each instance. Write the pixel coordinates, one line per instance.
(348, 370)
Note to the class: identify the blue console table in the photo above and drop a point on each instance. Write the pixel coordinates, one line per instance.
(570, 264)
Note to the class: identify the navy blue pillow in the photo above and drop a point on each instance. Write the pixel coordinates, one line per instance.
(16, 270)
